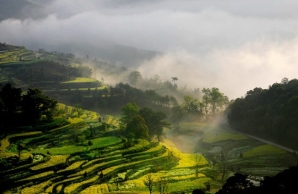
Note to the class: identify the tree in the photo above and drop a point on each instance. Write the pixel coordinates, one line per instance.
(198, 191)
(174, 79)
(128, 112)
(197, 165)
(11, 97)
(235, 184)
(214, 100)
(155, 122)
(138, 128)
(191, 105)
(177, 114)
(20, 147)
(149, 182)
(35, 104)
(135, 77)
(162, 184)
(283, 183)
(1, 105)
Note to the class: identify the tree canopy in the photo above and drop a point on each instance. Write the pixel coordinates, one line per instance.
(270, 113)
(17, 109)
(35, 104)
(10, 97)
(155, 122)
(150, 123)
(284, 182)
(212, 102)
(137, 128)
(128, 112)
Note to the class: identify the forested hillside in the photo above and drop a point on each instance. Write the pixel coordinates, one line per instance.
(269, 113)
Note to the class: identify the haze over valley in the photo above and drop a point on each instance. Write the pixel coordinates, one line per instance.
(234, 46)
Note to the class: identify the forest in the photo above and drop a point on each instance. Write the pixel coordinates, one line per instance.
(269, 113)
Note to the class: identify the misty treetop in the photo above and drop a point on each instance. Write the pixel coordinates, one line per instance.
(270, 113)
(212, 103)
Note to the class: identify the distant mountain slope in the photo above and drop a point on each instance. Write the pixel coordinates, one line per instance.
(19, 9)
(106, 51)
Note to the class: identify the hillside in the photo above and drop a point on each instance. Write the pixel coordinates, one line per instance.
(81, 156)
(268, 113)
(72, 149)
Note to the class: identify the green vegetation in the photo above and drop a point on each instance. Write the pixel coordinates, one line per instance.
(268, 113)
(70, 149)
(17, 109)
(219, 135)
(80, 80)
(263, 150)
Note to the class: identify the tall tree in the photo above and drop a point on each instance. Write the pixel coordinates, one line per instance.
(35, 104)
(155, 122)
(213, 100)
(128, 112)
(191, 105)
(135, 77)
(149, 182)
(138, 128)
(11, 97)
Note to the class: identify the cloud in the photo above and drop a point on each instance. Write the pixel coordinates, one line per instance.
(232, 45)
(233, 71)
(195, 26)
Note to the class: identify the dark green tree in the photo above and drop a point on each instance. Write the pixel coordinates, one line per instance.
(35, 104)
(11, 97)
(191, 105)
(138, 128)
(155, 122)
(128, 112)
(213, 100)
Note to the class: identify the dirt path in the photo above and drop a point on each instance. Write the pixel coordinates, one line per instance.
(267, 142)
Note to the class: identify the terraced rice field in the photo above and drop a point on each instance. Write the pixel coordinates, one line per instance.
(100, 167)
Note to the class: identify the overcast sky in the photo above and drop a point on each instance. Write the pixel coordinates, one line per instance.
(235, 45)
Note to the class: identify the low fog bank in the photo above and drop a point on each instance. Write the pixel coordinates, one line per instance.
(233, 71)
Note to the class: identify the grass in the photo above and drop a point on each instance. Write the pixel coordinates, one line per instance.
(263, 150)
(96, 189)
(75, 114)
(179, 184)
(186, 159)
(70, 149)
(80, 80)
(44, 174)
(73, 166)
(189, 184)
(39, 188)
(55, 160)
(50, 188)
(213, 136)
(71, 188)
(192, 125)
(104, 142)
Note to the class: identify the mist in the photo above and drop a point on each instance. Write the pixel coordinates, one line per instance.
(232, 45)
